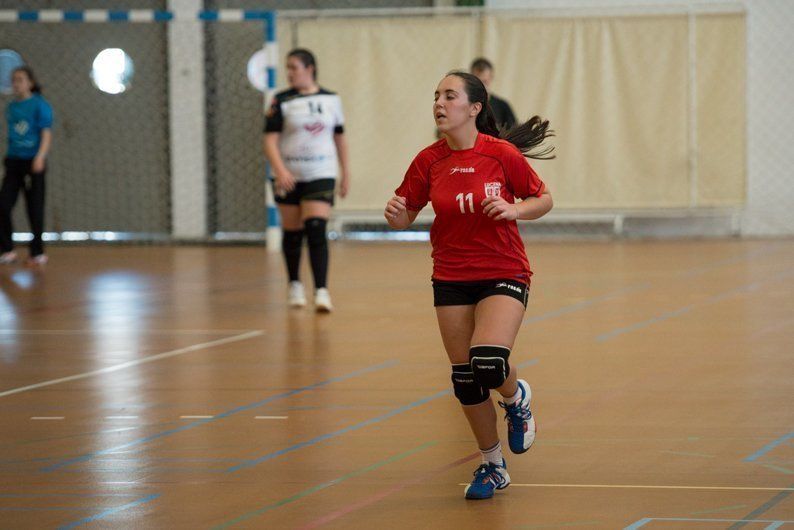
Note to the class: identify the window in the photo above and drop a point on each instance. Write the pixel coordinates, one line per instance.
(112, 71)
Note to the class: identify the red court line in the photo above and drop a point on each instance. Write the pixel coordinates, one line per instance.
(383, 494)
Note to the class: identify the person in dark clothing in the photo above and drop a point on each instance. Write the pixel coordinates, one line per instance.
(503, 113)
(29, 119)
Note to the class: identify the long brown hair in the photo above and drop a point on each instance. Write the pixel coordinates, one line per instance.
(525, 136)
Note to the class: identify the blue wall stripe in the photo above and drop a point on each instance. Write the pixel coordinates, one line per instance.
(163, 16)
(270, 27)
(209, 16)
(272, 216)
(123, 15)
(249, 14)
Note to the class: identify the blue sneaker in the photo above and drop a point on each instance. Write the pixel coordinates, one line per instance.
(520, 422)
(487, 478)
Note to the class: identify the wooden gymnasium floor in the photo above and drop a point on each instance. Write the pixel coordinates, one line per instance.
(169, 387)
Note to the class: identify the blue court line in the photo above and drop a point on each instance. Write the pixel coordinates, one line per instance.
(323, 485)
(765, 250)
(223, 415)
(351, 428)
(587, 303)
(645, 323)
(646, 520)
(768, 505)
(768, 447)
(677, 312)
(109, 512)
(43, 509)
(70, 495)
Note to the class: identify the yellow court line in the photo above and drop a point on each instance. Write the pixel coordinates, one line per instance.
(643, 486)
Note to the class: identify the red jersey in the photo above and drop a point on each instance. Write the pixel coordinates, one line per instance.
(467, 244)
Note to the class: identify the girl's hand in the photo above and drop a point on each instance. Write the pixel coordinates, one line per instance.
(38, 165)
(499, 209)
(344, 186)
(285, 182)
(395, 207)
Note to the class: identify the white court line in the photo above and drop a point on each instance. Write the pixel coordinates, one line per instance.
(195, 417)
(143, 332)
(122, 366)
(642, 486)
(47, 417)
(270, 417)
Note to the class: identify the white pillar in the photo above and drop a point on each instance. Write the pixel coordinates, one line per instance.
(187, 121)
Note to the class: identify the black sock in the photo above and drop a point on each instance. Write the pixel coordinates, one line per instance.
(291, 245)
(318, 249)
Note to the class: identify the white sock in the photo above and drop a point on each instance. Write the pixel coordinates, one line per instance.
(515, 397)
(492, 455)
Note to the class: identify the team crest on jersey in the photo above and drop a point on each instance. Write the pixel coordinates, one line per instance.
(493, 189)
(314, 128)
(21, 127)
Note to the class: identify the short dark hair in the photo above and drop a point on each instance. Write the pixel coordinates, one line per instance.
(480, 63)
(28, 71)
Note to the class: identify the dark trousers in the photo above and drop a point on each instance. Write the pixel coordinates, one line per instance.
(18, 175)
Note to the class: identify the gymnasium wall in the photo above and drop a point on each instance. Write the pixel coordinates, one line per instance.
(656, 110)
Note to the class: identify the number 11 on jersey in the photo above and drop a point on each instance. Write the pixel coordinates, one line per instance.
(469, 197)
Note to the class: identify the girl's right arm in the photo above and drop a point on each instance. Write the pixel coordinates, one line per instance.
(284, 179)
(397, 215)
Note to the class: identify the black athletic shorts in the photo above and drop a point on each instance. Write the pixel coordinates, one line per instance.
(469, 293)
(314, 190)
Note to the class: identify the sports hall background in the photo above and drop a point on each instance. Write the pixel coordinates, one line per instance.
(670, 119)
(168, 386)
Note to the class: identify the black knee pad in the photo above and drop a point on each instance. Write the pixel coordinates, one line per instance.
(315, 231)
(467, 390)
(489, 365)
(291, 239)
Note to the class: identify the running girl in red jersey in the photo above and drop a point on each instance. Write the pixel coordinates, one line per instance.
(480, 269)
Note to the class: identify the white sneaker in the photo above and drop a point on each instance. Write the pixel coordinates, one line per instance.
(7, 258)
(322, 301)
(296, 296)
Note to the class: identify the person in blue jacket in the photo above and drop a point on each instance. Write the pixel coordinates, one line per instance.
(29, 119)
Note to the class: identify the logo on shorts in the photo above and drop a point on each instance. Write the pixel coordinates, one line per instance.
(510, 286)
(461, 170)
(493, 189)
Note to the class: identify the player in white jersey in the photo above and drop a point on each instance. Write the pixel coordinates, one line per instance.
(305, 145)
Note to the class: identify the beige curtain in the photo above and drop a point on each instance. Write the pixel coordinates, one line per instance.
(721, 116)
(617, 91)
(386, 71)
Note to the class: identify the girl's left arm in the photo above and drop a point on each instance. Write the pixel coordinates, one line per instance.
(341, 150)
(39, 161)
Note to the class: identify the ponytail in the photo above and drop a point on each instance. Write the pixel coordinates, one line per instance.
(526, 136)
